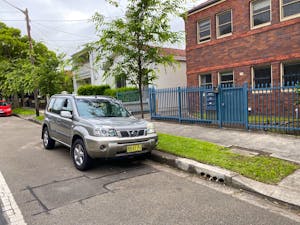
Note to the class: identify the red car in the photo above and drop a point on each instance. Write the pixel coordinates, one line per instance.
(5, 108)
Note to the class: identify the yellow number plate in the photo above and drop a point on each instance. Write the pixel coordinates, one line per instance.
(134, 148)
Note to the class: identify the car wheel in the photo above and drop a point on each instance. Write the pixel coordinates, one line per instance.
(81, 159)
(48, 142)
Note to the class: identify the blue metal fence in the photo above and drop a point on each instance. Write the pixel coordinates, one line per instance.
(252, 108)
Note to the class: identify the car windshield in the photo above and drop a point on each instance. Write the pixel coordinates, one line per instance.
(91, 108)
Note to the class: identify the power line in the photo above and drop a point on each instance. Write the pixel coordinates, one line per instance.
(53, 28)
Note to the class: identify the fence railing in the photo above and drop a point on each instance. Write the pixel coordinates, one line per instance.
(131, 100)
(263, 107)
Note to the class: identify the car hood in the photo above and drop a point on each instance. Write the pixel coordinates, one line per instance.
(119, 122)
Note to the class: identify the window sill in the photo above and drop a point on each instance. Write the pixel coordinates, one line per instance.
(261, 90)
(225, 35)
(260, 25)
(290, 17)
(202, 42)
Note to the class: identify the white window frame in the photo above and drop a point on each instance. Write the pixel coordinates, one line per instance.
(198, 31)
(252, 18)
(224, 72)
(282, 18)
(217, 24)
(258, 90)
(204, 74)
(282, 70)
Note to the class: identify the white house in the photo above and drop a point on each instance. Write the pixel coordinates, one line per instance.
(168, 76)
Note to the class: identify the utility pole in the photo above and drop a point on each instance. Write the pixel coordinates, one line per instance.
(36, 91)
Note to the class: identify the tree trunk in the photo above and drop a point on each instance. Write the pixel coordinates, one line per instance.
(23, 100)
(141, 99)
(36, 103)
(16, 101)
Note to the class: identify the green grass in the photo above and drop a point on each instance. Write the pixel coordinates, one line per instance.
(40, 118)
(24, 111)
(261, 168)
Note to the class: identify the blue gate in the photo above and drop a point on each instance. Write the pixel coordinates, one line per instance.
(233, 106)
(225, 106)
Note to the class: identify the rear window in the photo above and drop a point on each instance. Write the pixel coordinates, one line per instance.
(4, 104)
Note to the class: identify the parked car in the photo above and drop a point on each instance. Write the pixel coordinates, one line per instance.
(95, 127)
(5, 108)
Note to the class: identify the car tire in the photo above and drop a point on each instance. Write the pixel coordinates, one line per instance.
(48, 142)
(82, 161)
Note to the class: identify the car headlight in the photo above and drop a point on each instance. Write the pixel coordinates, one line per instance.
(150, 128)
(105, 132)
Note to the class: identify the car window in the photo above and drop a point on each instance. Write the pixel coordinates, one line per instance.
(90, 108)
(50, 106)
(58, 104)
(67, 106)
(3, 103)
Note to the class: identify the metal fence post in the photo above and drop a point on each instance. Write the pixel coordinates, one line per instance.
(245, 91)
(179, 104)
(220, 108)
(150, 101)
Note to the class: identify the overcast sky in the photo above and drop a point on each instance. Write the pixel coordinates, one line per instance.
(63, 25)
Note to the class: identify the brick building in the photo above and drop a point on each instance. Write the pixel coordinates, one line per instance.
(236, 41)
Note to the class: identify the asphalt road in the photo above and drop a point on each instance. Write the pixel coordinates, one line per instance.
(49, 190)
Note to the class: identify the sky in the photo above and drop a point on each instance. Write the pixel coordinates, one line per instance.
(64, 25)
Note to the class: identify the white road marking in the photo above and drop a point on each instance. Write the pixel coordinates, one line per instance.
(9, 205)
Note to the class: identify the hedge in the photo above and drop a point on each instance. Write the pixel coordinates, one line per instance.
(92, 89)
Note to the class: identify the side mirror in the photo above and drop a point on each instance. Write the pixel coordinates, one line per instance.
(66, 114)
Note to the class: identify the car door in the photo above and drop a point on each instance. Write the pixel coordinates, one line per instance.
(56, 118)
(64, 125)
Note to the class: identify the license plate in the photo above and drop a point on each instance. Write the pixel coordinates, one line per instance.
(134, 148)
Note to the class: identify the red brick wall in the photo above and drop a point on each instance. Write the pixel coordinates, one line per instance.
(245, 48)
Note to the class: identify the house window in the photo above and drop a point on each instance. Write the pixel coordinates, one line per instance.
(205, 81)
(226, 79)
(262, 76)
(290, 8)
(204, 30)
(260, 12)
(224, 24)
(291, 73)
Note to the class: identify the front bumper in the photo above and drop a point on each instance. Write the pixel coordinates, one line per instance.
(111, 147)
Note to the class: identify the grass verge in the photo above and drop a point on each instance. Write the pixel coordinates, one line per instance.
(40, 118)
(261, 168)
(24, 111)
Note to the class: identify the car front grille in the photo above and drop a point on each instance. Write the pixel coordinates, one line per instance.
(132, 133)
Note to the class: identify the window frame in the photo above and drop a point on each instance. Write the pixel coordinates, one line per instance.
(253, 75)
(224, 72)
(200, 80)
(198, 30)
(252, 16)
(282, 72)
(217, 24)
(282, 17)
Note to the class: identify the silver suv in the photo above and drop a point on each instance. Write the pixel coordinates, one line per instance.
(95, 127)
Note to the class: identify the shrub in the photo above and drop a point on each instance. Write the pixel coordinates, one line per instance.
(92, 89)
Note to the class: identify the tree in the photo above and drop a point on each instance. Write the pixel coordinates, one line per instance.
(18, 76)
(129, 47)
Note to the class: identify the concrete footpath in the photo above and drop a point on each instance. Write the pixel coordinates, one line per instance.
(243, 142)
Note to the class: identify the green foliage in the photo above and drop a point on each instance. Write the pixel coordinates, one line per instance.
(92, 89)
(110, 92)
(19, 76)
(261, 168)
(128, 47)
